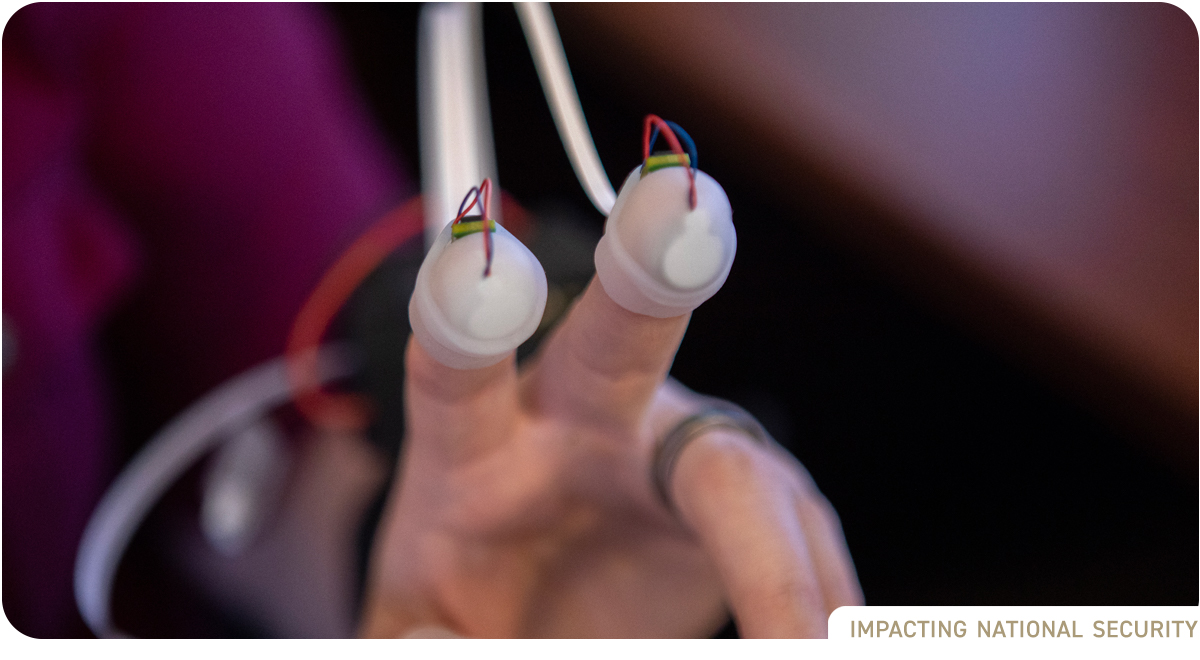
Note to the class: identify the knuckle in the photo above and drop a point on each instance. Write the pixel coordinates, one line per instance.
(726, 460)
(792, 592)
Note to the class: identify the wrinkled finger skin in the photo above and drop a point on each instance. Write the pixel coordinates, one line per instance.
(524, 506)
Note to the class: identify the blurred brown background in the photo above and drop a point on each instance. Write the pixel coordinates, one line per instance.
(966, 286)
(1034, 167)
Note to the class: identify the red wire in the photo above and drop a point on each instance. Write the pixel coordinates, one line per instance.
(485, 190)
(349, 412)
(483, 195)
(673, 141)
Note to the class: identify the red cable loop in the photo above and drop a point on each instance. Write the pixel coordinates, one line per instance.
(352, 412)
(349, 412)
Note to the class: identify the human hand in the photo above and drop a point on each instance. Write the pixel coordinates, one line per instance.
(525, 505)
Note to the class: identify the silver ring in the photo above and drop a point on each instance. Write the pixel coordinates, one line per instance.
(718, 414)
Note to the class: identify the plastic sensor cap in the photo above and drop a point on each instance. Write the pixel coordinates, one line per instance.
(465, 320)
(658, 256)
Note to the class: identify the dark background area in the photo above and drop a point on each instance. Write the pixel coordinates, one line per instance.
(961, 475)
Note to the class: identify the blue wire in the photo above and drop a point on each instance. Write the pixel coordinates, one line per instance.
(462, 205)
(682, 135)
(687, 139)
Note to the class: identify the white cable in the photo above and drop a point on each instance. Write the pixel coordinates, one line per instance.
(457, 149)
(551, 63)
(200, 428)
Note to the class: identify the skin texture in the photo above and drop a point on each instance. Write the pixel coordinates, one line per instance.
(525, 506)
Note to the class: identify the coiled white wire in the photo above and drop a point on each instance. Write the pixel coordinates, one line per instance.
(196, 431)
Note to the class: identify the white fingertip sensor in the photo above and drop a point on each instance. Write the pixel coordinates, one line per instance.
(659, 256)
(466, 320)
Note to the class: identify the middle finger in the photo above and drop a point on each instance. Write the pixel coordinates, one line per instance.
(603, 363)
